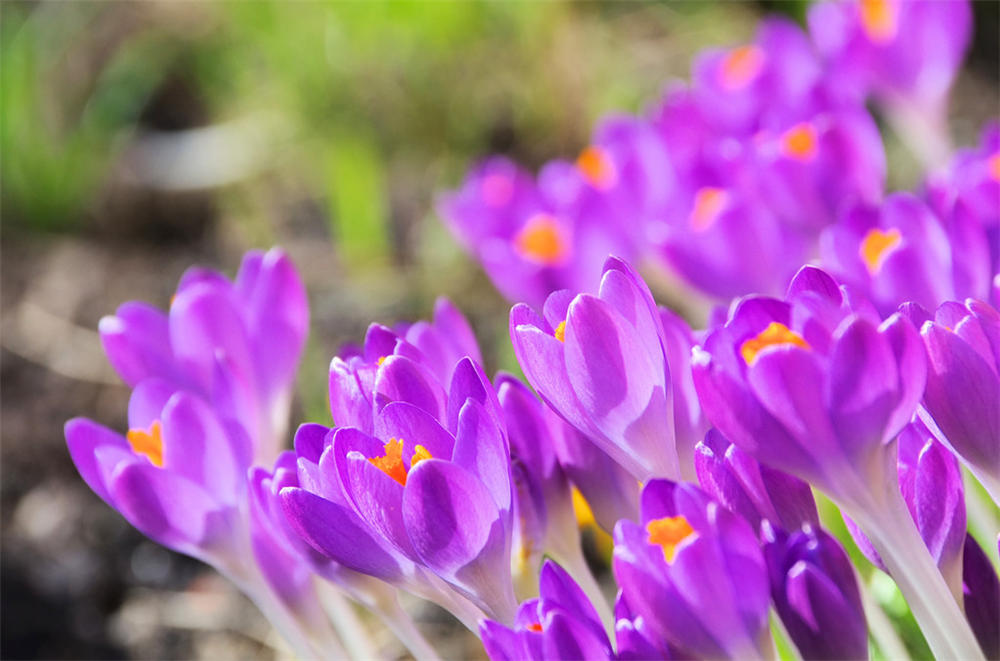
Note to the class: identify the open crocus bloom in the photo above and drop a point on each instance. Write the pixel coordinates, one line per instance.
(694, 572)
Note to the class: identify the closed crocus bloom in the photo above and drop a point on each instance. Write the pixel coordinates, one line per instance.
(235, 344)
(981, 590)
(963, 386)
(560, 624)
(901, 251)
(816, 594)
(754, 491)
(694, 572)
(905, 53)
(811, 387)
(431, 489)
(633, 637)
(599, 362)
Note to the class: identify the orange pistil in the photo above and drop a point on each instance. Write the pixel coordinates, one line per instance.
(799, 142)
(542, 240)
(668, 533)
(879, 20)
(148, 442)
(709, 203)
(775, 334)
(391, 463)
(534, 626)
(597, 167)
(876, 247)
(740, 67)
(560, 332)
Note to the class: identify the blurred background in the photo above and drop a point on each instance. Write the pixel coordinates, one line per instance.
(140, 138)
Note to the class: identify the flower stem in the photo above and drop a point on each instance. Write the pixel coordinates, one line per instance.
(895, 537)
(397, 619)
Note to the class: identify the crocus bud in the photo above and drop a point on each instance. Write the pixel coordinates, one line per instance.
(816, 593)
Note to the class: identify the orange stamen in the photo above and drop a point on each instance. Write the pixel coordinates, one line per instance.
(597, 167)
(879, 20)
(740, 67)
(709, 203)
(994, 166)
(799, 142)
(148, 442)
(668, 533)
(534, 626)
(542, 240)
(876, 247)
(391, 463)
(560, 332)
(381, 359)
(775, 334)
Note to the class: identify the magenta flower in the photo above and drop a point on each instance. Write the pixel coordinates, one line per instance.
(560, 624)
(599, 361)
(756, 492)
(428, 493)
(816, 594)
(901, 251)
(963, 386)
(906, 54)
(812, 387)
(694, 572)
(234, 344)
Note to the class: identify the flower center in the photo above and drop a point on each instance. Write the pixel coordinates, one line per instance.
(148, 443)
(391, 462)
(799, 142)
(740, 67)
(597, 167)
(774, 335)
(877, 246)
(534, 626)
(560, 331)
(879, 20)
(542, 240)
(709, 203)
(668, 533)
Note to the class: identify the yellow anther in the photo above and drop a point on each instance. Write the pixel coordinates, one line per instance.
(668, 533)
(879, 20)
(148, 442)
(597, 167)
(876, 247)
(800, 142)
(740, 67)
(709, 203)
(391, 462)
(542, 240)
(381, 359)
(560, 332)
(775, 334)
(419, 454)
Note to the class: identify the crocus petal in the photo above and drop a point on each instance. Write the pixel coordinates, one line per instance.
(414, 426)
(481, 449)
(401, 379)
(146, 403)
(137, 342)
(338, 533)
(84, 437)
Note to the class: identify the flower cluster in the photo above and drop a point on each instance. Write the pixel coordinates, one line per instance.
(871, 375)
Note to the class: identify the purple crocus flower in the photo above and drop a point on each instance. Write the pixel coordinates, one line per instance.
(816, 594)
(426, 497)
(812, 387)
(694, 572)
(427, 351)
(560, 624)
(904, 53)
(235, 344)
(754, 491)
(981, 589)
(963, 383)
(599, 361)
(635, 639)
(534, 238)
(901, 251)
